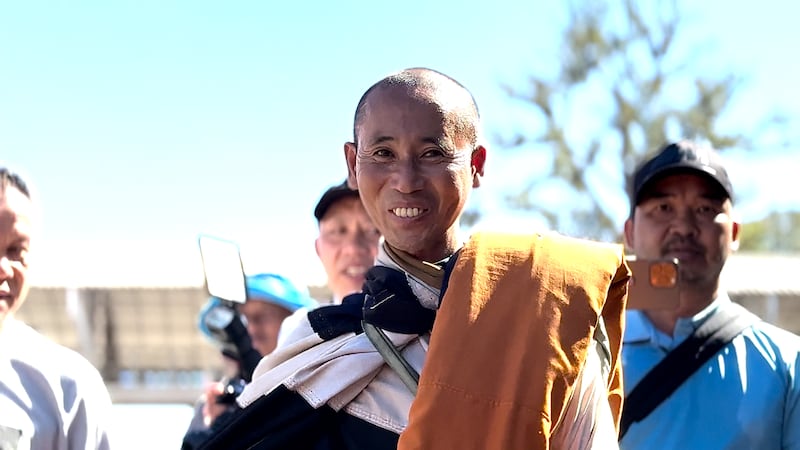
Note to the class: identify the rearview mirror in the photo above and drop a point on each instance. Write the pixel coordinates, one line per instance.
(222, 268)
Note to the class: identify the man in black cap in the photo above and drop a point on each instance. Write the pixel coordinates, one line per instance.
(347, 242)
(745, 396)
(346, 246)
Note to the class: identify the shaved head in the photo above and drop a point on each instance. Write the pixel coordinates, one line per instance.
(451, 97)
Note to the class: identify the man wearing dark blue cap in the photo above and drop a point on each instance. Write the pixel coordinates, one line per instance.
(747, 395)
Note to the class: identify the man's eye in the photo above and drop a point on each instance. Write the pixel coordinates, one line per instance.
(434, 152)
(337, 232)
(371, 233)
(707, 211)
(16, 252)
(661, 211)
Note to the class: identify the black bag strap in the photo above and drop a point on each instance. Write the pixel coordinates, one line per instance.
(663, 379)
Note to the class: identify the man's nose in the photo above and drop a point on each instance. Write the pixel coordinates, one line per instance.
(6, 270)
(357, 242)
(406, 177)
(684, 223)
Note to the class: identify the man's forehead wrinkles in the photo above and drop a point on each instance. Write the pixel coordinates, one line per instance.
(443, 142)
(382, 139)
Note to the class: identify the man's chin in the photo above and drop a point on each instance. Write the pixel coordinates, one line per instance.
(5, 307)
(690, 276)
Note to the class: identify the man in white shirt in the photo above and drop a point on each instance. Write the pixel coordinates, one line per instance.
(51, 398)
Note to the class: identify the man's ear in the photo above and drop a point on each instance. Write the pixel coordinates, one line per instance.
(628, 233)
(735, 233)
(316, 246)
(350, 156)
(477, 163)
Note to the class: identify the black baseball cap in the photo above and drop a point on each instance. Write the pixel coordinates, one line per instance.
(681, 157)
(331, 196)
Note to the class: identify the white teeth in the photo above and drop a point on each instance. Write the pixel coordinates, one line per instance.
(406, 212)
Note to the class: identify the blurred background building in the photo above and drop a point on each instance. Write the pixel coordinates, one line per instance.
(143, 338)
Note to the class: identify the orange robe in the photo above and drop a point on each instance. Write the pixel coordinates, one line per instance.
(510, 339)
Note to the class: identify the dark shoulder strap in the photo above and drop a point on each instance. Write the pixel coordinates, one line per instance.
(663, 379)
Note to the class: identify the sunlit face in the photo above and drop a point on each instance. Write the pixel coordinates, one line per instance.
(684, 217)
(16, 221)
(347, 245)
(263, 323)
(414, 174)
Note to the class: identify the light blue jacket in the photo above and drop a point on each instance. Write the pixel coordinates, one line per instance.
(747, 396)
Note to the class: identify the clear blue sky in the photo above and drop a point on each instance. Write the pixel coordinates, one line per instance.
(152, 121)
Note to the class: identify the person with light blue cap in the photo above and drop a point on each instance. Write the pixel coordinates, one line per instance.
(270, 299)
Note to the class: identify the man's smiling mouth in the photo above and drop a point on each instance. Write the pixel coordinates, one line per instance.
(407, 212)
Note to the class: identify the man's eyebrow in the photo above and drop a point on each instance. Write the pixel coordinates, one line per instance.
(715, 198)
(432, 140)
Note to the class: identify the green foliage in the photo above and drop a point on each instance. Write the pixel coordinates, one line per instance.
(778, 232)
(621, 59)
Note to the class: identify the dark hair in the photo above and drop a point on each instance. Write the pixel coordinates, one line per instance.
(428, 80)
(9, 178)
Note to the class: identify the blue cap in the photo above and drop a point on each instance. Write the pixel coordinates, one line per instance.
(279, 290)
(265, 287)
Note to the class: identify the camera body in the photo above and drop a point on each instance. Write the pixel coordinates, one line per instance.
(221, 321)
(232, 389)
